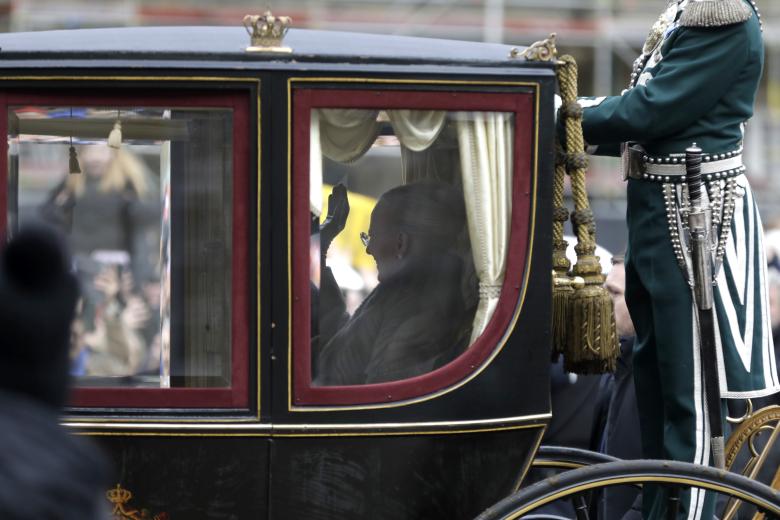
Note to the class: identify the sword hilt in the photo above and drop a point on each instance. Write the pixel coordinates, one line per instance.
(693, 159)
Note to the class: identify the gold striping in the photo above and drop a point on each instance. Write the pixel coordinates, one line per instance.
(259, 228)
(289, 244)
(482, 83)
(412, 433)
(211, 422)
(271, 432)
(531, 456)
(130, 78)
(536, 86)
(406, 426)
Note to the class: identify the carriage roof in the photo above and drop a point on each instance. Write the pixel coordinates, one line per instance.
(229, 44)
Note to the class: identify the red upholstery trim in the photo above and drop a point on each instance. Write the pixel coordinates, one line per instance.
(237, 394)
(522, 105)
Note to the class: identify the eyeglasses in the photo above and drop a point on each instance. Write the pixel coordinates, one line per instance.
(365, 238)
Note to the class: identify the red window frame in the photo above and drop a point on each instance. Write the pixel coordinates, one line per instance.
(237, 395)
(522, 105)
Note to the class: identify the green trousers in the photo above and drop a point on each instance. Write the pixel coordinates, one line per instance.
(667, 365)
(667, 368)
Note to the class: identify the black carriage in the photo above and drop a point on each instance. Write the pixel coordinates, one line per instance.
(191, 169)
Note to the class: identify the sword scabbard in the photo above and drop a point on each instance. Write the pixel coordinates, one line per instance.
(700, 226)
(699, 223)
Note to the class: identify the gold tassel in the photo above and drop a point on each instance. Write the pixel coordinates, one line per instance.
(562, 291)
(592, 346)
(115, 137)
(73, 163)
(562, 288)
(73, 158)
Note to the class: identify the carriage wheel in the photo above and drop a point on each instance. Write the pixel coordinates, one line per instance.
(675, 475)
(563, 457)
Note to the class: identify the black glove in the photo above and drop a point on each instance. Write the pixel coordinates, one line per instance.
(338, 211)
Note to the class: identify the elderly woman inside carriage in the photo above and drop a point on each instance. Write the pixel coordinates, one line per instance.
(406, 268)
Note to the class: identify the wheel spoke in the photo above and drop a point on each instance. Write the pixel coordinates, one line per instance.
(673, 503)
(580, 507)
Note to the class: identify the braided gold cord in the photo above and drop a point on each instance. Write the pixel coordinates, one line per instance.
(575, 144)
(558, 189)
(562, 284)
(590, 342)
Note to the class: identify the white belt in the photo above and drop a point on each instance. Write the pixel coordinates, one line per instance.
(638, 165)
(707, 168)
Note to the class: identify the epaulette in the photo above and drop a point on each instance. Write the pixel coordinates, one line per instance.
(715, 13)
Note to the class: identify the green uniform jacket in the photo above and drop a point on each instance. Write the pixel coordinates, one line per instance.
(698, 86)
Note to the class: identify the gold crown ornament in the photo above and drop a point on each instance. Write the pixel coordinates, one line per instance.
(118, 496)
(267, 32)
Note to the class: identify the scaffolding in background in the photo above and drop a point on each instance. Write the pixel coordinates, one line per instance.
(604, 35)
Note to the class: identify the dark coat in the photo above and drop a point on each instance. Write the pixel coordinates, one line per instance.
(573, 400)
(616, 430)
(45, 472)
(408, 325)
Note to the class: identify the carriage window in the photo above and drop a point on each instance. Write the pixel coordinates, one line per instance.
(410, 223)
(143, 196)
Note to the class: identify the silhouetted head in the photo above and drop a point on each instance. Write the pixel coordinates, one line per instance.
(38, 296)
(616, 286)
(414, 221)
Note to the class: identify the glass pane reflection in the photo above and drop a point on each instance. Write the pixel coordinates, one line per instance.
(410, 221)
(149, 225)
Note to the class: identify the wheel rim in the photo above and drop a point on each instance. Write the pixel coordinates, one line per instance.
(632, 472)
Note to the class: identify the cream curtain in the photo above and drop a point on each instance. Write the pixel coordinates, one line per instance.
(485, 140)
(417, 129)
(340, 134)
(346, 134)
(315, 165)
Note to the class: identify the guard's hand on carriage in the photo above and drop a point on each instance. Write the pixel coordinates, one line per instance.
(338, 211)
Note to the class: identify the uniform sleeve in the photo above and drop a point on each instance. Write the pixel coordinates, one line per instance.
(604, 149)
(698, 67)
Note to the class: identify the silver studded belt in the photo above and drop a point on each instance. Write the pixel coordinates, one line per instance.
(637, 164)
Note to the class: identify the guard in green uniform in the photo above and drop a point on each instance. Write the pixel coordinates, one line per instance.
(695, 82)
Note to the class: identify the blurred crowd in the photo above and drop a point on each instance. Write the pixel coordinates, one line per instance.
(110, 214)
(772, 245)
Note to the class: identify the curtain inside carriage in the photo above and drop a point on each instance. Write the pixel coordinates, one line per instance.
(485, 144)
(486, 167)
